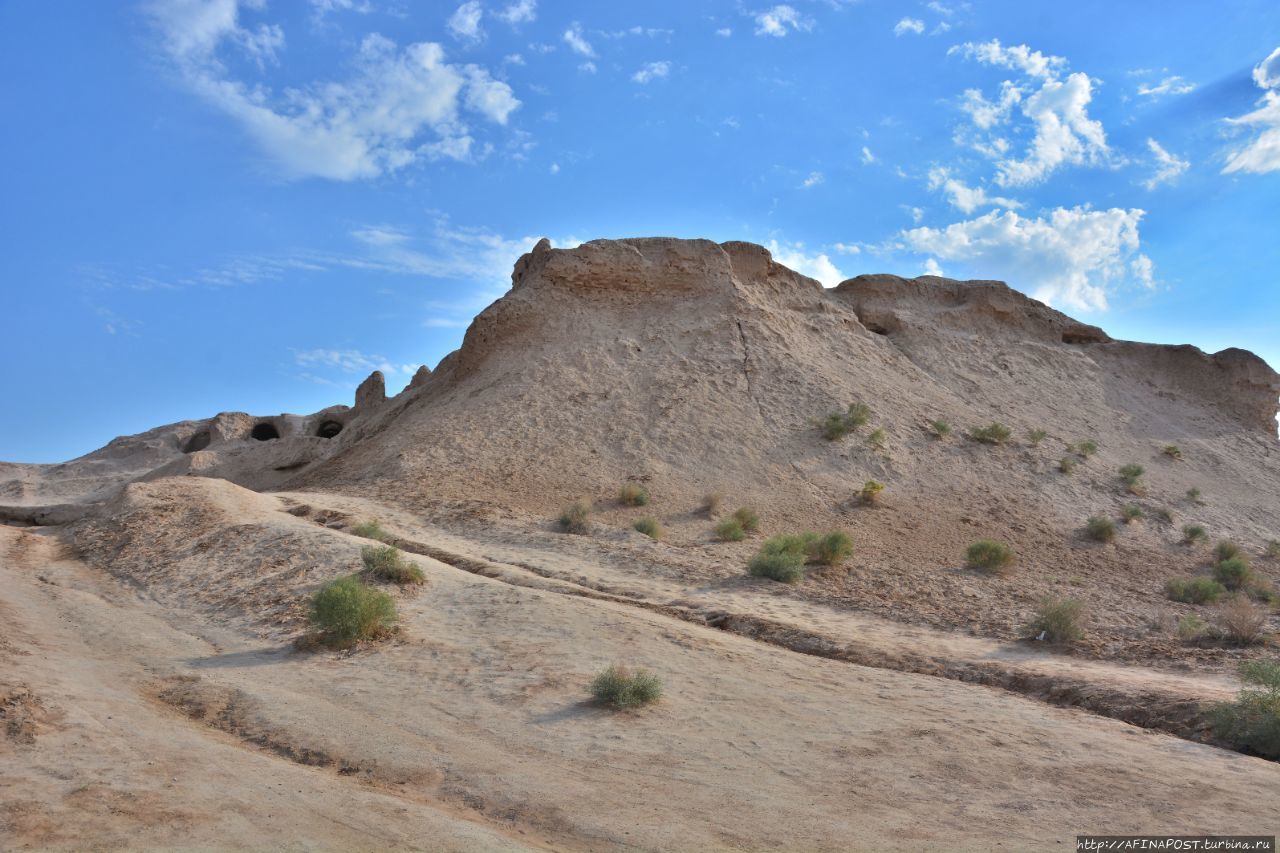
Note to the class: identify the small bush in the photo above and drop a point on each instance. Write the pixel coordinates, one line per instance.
(1086, 448)
(1131, 513)
(1131, 476)
(834, 427)
(747, 517)
(1172, 451)
(1100, 529)
(1058, 621)
(1036, 436)
(730, 530)
(1273, 549)
(1066, 464)
(990, 556)
(1226, 549)
(837, 426)
(1164, 515)
(940, 429)
(622, 689)
(575, 518)
(1252, 721)
(993, 433)
(370, 530)
(857, 415)
(346, 611)
(711, 504)
(387, 563)
(831, 549)
(1193, 496)
(649, 527)
(1191, 627)
(633, 494)
(1192, 533)
(1233, 572)
(1241, 621)
(871, 491)
(1194, 590)
(876, 439)
(783, 567)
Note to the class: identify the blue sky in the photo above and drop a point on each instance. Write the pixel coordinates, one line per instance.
(216, 205)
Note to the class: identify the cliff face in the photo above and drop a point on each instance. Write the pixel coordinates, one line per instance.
(700, 367)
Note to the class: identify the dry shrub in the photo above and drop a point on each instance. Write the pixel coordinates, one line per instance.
(1241, 621)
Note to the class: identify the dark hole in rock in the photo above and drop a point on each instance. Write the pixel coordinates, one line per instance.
(1079, 338)
(877, 328)
(328, 429)
(264, 432)
(199, 441)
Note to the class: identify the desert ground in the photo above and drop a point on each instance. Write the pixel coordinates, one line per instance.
(159, 690)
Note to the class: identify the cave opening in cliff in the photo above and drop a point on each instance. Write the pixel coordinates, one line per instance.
(264, 432)
(199, 441)
(328, 429)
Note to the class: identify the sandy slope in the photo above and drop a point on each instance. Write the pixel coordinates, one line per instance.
(470, 732)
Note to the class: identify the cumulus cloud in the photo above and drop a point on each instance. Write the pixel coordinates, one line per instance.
(400, 106)
(577, 43)
(813, 180)
(1055, 106)
(651, 71)
(1070, 259)
(867, 157)
(520, 12)
(780, 20)
(1168, 166)
(817, 266)
(964, 198)
(908, 25)
(1174, 85)
(1262, 152)
(464, 23)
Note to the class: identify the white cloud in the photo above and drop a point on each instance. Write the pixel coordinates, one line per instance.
(400, 106)
(346, 360)
(464, 23)
(1174, 85)
(935, 6)
(908, 25)
(651, 71)
(867, 157)
(813, 180)
(322, 8)
(573, 37)
(964, 198)
(847, 248)
(931, 268)
(817, 266)
(1168, 166)
(724, 32)
(1262, 152)
(520, 12)
(1071, 259)
(587, 68)
(1056, 107)
(780, 20)
(513, 59)
(555, 169)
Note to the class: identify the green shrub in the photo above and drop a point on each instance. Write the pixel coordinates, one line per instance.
(1087, 448)
(1273, 549)
(784, 567)
(633, 494)
(1131, 513)
(940, 429)
(622, 689)
(1036, 436)
(575, 518)
(1252, 721)
(730, 530)
(649, 527)
(871, 491)
(711, 504)
(831, 549)
(346, 611)
(837, 426)
(1193, 496)
(1131, 476)
(1066, 464)
(1191, 627)
(990, 556)
(876, 439)
(1172, 451)
(1226, 549)
(386, 562)
(747, 517)
(1233, 572)
(370, 530)
(1100, 528)
(1241, 622)
(1192, 533)
(1194, 590)
(1058, 621)
(1163, 514)
(993, 433)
